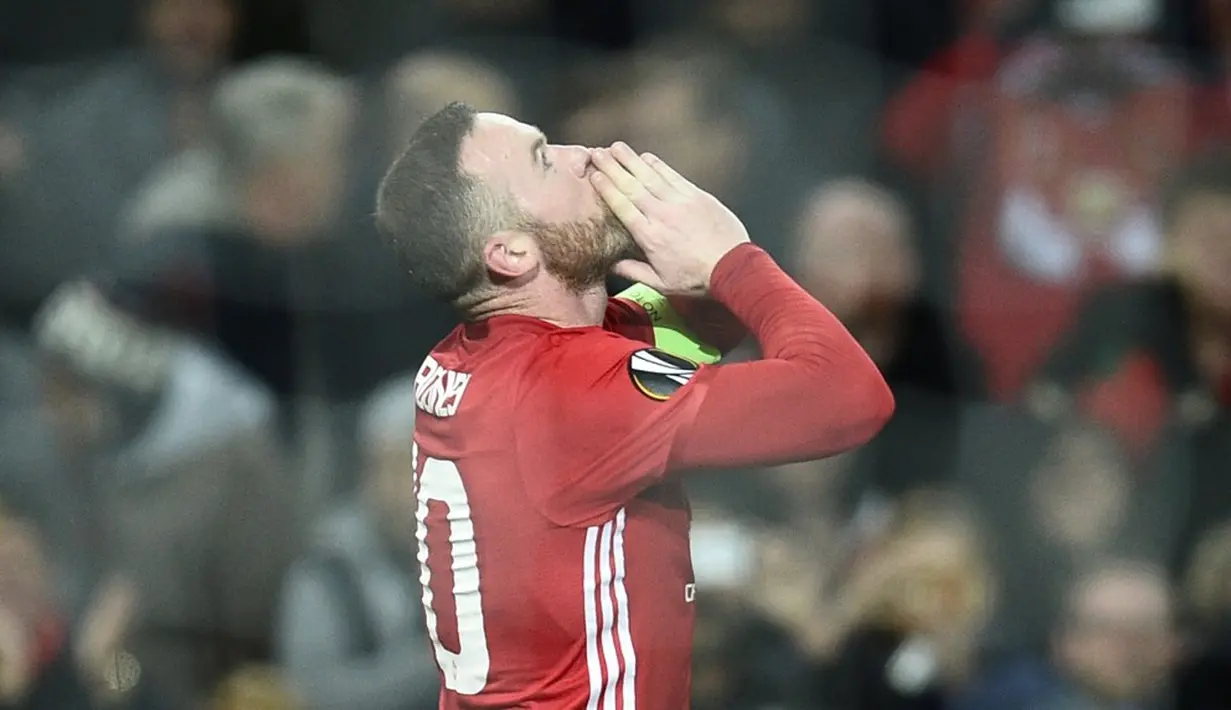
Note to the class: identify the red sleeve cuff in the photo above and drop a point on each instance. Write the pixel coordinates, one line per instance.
(732, 264)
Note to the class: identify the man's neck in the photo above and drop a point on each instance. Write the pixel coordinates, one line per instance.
(555, 304)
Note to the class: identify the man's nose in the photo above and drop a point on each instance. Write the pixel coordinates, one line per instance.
(577, 157)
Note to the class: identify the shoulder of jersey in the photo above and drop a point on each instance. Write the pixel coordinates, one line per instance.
(658, 374)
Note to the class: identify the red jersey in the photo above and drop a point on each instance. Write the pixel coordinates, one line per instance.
(553, 548)
(556, 571)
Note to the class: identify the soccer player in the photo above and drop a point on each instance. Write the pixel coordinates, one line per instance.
(552, 525)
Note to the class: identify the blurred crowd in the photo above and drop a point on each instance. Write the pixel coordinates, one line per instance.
(1021, 208)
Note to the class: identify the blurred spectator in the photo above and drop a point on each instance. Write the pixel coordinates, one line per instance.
(907, 619)
(350, 628)
(693, 108)
(743, 661)
(254, 261)
(1082, 124)
(896, 624)
(258, 243)
(278, 130)
(422, 84)
(811, 55)
(926, 126)
(808, 56)
(1203, 680)
(855, 255)
(699, 109)
(1080, 496)
(936, 123)
(32, 631)
(1142, 356)
(855, 251)
(890, 621)
(1154, 361)
(413, 88)
(46, 661)
(75, 155)
(175, 483)
(1114, 647)
(254, 688)
(1075, 504)
(525, 39)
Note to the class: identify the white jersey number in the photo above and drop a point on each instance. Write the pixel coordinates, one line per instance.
(465, 672)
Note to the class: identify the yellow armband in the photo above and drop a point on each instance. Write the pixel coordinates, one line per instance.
(670, 333)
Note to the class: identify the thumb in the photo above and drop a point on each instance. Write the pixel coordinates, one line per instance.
(640, 272)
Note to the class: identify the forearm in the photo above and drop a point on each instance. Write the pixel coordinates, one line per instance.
(815, 393)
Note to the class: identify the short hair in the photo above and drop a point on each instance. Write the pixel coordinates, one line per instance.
(432, 213)
(1209, 174)
(275, 109)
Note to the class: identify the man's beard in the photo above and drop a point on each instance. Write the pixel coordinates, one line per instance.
(581, 254)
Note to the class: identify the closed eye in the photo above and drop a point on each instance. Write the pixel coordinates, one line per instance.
(538, 150)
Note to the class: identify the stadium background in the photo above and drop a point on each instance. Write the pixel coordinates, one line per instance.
(202, 447)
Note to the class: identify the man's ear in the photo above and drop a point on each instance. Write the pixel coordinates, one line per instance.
(510, 255)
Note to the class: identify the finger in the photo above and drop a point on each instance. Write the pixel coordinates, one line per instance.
(640, 272)
(638, 168)
(622, 179)
(668, 173)
(621, 206)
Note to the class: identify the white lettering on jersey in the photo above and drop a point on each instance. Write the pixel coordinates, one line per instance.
(438, 391)
(690, 593)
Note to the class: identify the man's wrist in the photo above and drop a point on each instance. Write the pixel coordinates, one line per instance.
(730, 267)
